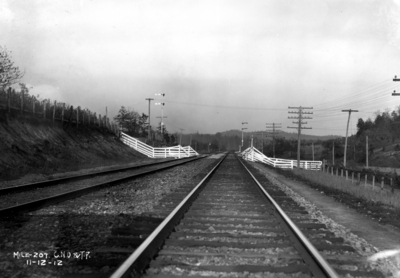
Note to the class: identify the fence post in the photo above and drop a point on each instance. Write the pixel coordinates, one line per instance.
(347, 175)
(391, 185)
(62, 113)
(33, 105)
(77, 116)
(341, 172)
(22, 101)
(9, 100)
(373, 182)
(54, 110)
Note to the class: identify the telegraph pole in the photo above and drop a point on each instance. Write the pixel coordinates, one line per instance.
(312, 145)
(242, 130)
(347, 129)
(394, 92)
(162, 125)
(300, 112)
(366, 146)
(149, 99)
(272, 133)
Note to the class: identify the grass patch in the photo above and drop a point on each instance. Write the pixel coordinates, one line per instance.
(382, 207)
(368, 193)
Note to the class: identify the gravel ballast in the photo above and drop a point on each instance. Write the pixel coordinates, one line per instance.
(364, 250)
(85, 223)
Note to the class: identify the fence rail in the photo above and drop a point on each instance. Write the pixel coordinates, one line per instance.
(24, 103)
(176, 151)
(252, 154)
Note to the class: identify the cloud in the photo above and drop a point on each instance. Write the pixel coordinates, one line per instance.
(46, 91)
(390, 21)
(6, 15)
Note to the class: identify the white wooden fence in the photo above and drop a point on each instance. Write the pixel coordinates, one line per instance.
(176, 151)
(252, 154)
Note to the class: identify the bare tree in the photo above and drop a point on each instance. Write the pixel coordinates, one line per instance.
(9, 74)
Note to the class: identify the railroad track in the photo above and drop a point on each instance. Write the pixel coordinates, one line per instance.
(59, 190)
(229, 225)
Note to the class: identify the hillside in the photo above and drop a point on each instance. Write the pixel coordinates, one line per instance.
(38, 146)
(286, 135)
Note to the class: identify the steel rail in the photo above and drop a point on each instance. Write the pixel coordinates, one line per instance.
(29, 186)
(140, 258)
(34, 205)
(322, 266)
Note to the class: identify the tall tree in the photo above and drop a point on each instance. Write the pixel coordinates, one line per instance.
(128, 121)
(143, 124)
(9, 74)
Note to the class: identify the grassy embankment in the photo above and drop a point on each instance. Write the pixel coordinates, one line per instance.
(360, 190)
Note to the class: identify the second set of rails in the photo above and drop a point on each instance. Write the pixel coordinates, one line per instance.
(234, 223)
(57, 190)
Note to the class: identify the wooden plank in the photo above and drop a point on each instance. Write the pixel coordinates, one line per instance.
(256, 217)
(237, 255)
(228, 222)
(230, 235)
(202, 243)
(291, 268)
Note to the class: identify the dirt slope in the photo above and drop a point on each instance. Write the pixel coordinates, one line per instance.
(31, 145)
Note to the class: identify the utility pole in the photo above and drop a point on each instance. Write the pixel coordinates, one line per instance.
(366, 146)
(347, 129)
(312, 146)
(149, 99)
(272, 133)
(300, 112)
(180, 140)
(162, 125)
(242, 130)
(162, 118)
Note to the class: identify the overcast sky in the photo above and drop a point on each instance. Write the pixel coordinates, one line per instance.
(219, 63)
